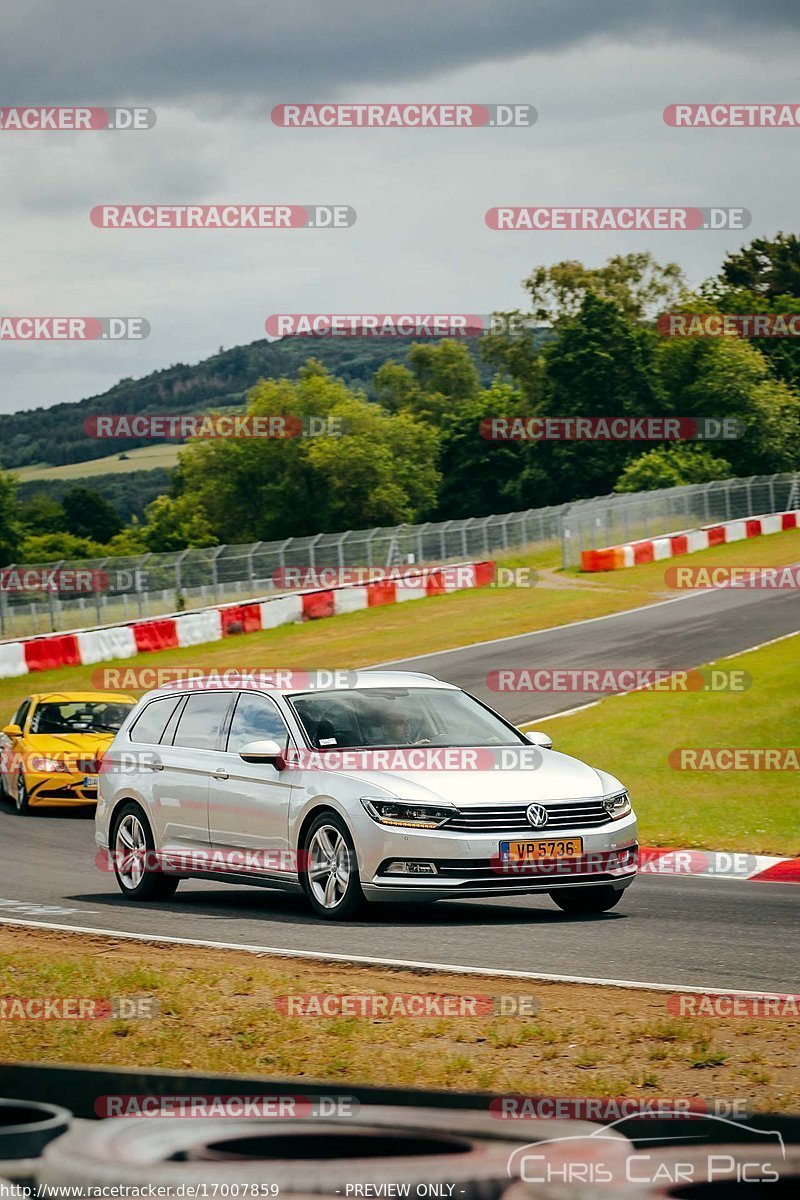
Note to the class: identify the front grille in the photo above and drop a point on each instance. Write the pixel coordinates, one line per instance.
(511, 818)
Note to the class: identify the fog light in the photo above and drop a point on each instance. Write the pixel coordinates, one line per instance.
(411, 868)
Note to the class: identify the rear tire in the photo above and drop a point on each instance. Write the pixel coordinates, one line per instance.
(132, 844)
(329, 870)
(587, 900)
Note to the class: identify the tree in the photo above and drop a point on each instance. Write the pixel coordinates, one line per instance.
(635, 284)
(768, 267)
(53, 547)
(88, 514)
(10, 529)
(380, 469)
(672, 466)
(43, 514)
(176, 523)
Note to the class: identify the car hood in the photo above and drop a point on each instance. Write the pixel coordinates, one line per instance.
(72, 743)
(557, 777)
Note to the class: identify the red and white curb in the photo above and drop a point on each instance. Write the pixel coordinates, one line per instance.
(687, 541)
(84, 647)
(721, 864)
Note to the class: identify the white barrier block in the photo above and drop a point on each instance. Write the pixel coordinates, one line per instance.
(408, 592)
(627, 556)
(100, 645)
(455, 578)
(193, 629)
(696, 539)
(662, 548)
(771, 524)
(735, 531)
(283, 610)
(349, 599)
(12, 660)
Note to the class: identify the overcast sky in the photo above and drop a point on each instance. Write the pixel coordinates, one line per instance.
(599, 74)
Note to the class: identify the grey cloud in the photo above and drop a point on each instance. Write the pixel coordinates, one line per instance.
(260, 53)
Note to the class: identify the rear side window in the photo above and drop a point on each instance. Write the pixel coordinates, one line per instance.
(202, 720)
(150, 725)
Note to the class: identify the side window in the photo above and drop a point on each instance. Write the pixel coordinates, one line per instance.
(22, 714)
(202, 720)
(256, 719)
(149, 725)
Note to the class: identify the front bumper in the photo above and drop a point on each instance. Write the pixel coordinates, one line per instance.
(467, 865)
(59, 790)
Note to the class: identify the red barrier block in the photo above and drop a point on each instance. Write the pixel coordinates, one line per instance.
(434, 583)
(484, 573)
(753, 527)
(156, 635)
(380, 593)
(44, 654)
(251, 617)
(716, 535)
(789, 520)
(316, 605)
(240, 618)
(680, 544)
(589, 560)
(642, 552)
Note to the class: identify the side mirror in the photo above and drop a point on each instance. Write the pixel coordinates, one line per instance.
(264, 751)
(537, 738)
(12, 731)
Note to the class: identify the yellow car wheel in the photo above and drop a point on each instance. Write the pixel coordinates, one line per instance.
(21, 798)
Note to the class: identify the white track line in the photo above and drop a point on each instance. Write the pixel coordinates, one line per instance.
(395, 963)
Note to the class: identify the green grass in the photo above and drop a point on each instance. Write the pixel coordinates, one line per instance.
(632, 735)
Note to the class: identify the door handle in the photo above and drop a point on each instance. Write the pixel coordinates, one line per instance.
(156, 764)
(220, 774)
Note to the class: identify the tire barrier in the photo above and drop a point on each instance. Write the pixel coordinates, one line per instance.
(26, 1127)
(406, 1147)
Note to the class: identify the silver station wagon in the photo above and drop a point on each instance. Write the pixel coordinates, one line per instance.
(382, 785)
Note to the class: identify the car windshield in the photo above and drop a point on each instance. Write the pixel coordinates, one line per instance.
(80, 716)
(397, 717)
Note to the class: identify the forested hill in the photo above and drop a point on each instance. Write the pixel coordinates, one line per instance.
(223, 379)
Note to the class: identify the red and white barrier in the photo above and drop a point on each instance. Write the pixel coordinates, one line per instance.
(722, 864)
(631, 554)
(177, 630)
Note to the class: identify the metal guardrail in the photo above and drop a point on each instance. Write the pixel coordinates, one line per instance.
(147, 585)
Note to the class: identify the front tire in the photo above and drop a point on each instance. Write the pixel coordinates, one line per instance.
(21, 798)
(132, 845)
(329, 871)
(587, 900)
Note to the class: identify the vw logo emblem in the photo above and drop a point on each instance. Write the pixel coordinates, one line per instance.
(537, 815)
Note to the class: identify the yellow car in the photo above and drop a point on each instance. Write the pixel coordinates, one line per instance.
(51, 751)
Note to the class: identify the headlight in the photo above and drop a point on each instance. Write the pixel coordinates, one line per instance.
(403, 812)
(44, 765)
(617, 805)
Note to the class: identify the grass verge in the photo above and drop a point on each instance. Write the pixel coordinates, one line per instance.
(753, 810)
(217, 1013)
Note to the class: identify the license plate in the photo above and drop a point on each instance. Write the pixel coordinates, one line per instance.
(541, 848)
(90, 781)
